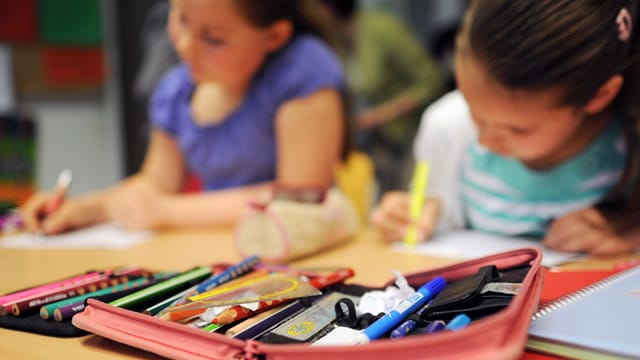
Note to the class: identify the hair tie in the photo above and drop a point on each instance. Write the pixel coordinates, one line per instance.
(624, 24)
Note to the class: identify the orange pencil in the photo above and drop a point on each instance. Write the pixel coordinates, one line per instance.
(182, 314)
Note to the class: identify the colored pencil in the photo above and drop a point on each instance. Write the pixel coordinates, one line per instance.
(47, 310)
(9, 298)
(66, 312)
(231, 273)
(33, 303)
(162, 288)
(287, 311)
(212, 327)
(157, 308)
(252, 321)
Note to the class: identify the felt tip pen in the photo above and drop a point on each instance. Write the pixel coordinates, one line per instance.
(434, 327)
(386, 323)
(406, 327)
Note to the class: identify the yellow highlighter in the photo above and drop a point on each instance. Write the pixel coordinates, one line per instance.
(418, 194)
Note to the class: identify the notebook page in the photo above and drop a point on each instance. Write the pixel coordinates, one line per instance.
(104, 236)
(466, 244)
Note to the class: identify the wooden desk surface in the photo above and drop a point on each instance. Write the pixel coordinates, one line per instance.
(180, 250)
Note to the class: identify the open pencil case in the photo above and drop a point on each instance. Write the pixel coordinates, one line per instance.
(500, 334)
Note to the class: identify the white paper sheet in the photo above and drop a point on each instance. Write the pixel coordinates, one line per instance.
(105, 236)
(472, 244)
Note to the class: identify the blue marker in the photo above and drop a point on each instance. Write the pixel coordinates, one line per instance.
(425, 293)
(460, 321)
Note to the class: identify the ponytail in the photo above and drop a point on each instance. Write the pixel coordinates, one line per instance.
(625, 198)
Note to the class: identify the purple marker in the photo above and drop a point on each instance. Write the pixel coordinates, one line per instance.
(434, 327)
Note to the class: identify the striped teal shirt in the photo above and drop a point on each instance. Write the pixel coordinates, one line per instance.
(502, 196)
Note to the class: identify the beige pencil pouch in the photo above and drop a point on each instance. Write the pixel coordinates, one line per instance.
(281, 230)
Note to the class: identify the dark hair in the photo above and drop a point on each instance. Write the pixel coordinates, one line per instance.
(571, 45)
(342, 9)
(306, 17)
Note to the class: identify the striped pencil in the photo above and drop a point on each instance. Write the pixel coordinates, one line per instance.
(33, 303)
(231, 273)
(7, 301)
(47, 310)
(65, 312)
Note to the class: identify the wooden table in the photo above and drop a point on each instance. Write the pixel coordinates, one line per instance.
(180, 250)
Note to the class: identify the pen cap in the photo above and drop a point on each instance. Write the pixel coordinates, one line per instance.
(434, 286)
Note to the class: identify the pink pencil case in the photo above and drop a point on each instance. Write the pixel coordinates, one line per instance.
(501, 335)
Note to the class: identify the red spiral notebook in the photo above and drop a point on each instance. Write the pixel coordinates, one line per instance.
(558, 283)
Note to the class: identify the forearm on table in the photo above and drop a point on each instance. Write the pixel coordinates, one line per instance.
(210, 208)
(93, 209)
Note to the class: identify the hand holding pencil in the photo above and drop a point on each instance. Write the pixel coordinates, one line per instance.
(411, 217)
(37, 210)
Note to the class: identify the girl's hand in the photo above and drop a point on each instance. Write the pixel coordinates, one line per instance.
(135, 206)
(587, 231)
(72, 214)
(32, 211)
(391, 216)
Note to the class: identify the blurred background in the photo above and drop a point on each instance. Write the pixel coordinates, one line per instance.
(75, 76)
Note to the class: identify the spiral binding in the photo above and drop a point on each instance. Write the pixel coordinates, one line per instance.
(578, 294)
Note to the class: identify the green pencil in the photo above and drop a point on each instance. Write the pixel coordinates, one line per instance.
(212, 327)
(47, 310)
(164, 287)
(155, 309)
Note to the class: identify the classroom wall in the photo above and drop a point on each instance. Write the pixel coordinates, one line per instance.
(78, 126)
(80, 134)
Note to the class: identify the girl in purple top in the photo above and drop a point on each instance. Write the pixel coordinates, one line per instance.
(256, 101)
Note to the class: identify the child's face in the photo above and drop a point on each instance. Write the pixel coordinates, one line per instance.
(216, 41)
(527, 126)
